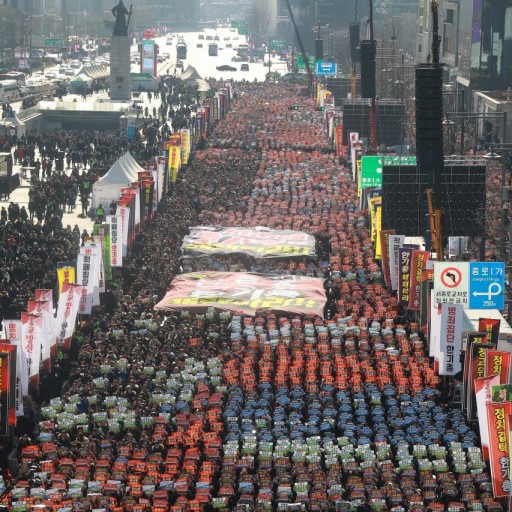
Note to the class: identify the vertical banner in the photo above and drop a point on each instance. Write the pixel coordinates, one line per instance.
(103, 232)
(338, 137)
(96, 248)
(395, 242)
(4, 394)
(499, 454)
(483, 392)
(435, 330)
(404, 271)
(87, 270)
(476, 370)
(43, 308)
(491, 326)
(451, 339)
(9, 352)
(384, 244)
(418, 264)
(12, 332)
(124, 213)
(44, 294)
(65, 274)
(498, 363)
(31, 335)
(174, 162)
(185, 145)
(116, 240)
(67, 310)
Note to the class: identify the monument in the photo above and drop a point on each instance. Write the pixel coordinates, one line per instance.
(120, 84)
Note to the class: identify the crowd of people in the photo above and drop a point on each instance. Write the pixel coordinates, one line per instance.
(235, 412)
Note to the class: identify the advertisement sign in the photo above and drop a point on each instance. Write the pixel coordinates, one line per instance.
(499, 456)
(258, 242)
(148, 57)
(450, 339)
(245, 291)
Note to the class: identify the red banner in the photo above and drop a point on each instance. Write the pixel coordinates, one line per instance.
(491, 326)
(338, 138)
(499, 454)
(244, 291)
(498, 363)
(8, 384)
(418, 263)
(384, 243)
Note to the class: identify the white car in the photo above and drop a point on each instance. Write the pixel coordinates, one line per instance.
(76, 64)
(70, 72)
(51, 75)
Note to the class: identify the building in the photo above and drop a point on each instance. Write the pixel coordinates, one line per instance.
(496, 126)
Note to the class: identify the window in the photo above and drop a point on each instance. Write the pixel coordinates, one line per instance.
(450, 15)
(119, 79)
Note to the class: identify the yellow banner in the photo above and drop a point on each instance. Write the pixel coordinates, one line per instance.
(358, 177)
(66, 275)
(174, 161)
(378, 227)
(185, 145)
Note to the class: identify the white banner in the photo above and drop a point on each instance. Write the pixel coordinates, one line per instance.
(116, 240)
(156, 185)
(483, 390)
(45, 309)
(12, 332)
(98, 249)
(87, 267)
(450, 339)
(137, 205)
(124, 213)
(160, 173)
(69, 301)
(31, 336)
(435, 330)
(395, 242)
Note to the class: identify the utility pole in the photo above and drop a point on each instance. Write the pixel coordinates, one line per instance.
(269, 58)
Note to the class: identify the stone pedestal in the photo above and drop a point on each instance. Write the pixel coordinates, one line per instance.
(120, 84)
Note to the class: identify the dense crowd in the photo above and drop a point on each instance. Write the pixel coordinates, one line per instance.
(233, 412)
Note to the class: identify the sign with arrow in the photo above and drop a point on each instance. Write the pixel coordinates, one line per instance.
(486, 285)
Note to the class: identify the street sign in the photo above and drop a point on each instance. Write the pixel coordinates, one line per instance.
(451, 283)
(301, 66)
(399, 160)
(371, 171)
(326, 68)
(486, 285)
(53, 43)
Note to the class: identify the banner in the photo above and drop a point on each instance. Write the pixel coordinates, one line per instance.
(258, 242)
(384, 243)
(4, 393)
(65, 275)
(31, 336)
(475, 370)
(174, 162)
(338, 137)
(404, 271)
(124, 213)
(67, 310)
(245, 291)
(499, 456)
(185, 145)
(45, 309)
(491, 326)
(88, 277)
(102, 231)
(395, 242)
(498, 363)
(116, 240)
(12, 332)
(451, 339)
(43, 294)
(483, 392)
(418, 263)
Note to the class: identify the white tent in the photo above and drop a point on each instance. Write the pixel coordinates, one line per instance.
(108, 188)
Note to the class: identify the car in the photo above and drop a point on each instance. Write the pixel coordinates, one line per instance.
(166, 55)
(70, 72)
(179, 65)
(216, 38)
(227, 38)
(75, 64)
(201, 37)
(199, 45)
(51, 75)
(237, 58)
(244, 67)
(209, 38)
(62, 69)
(229, 45)
(225, 67)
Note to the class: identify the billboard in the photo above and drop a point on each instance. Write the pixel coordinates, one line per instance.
(148, 56)
(258, 242)
(245, 292)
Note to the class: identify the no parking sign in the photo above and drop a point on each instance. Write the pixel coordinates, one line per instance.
(451, 283)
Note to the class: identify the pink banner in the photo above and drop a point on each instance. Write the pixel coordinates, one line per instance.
(245, 291)
(69, 300)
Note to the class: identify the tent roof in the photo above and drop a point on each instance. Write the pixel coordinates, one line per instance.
(190, 74)
(124, 170)
(81, 78)
(96, 71)
(12, 119)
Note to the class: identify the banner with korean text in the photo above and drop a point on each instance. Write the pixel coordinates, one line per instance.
(65, 274)
(483, 391)
(450, 339)
(67, 310)
(31, 335)
(116, 240)
(88, 277)
(12, 332)
(499, 454)
(498, 363)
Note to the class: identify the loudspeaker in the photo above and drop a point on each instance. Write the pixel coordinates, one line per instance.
(319, 49)
(355, 53)
(368, 50)
(429, 117)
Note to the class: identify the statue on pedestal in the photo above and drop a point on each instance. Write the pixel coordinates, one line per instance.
(121, 25)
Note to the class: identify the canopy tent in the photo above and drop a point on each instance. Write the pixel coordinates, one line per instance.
(11, 122)
(190, 74)
(78, 82)
(123, 172)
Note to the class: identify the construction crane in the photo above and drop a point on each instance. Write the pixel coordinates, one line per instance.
(301, 47)
(353, 82)
(434, 212)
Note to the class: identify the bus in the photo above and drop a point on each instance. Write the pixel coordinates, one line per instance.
(9, 90)
(14, 75)
(213, 49)
(40, 87)
(181, 49)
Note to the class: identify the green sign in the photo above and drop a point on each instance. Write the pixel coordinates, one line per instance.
(371, 168)
(53, 43)
(302, 66)
(399, 160)
(239, 24)
(276, 43)
(371, 171)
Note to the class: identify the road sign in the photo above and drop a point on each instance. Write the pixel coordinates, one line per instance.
(371, 171)
(451, 283)
(326, 68)
(53, 43)
(486, 285)
(301, 66)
